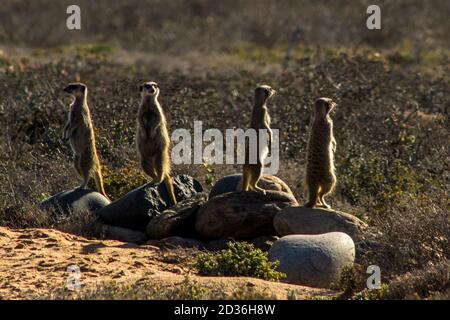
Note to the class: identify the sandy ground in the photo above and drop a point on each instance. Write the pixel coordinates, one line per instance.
(33, 262)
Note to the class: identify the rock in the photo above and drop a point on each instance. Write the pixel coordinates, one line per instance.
(233, 183)
(178, 220)
(76, 200)
(135, 209)
(313, 260)
(177, 242)
(302, 220)
(219, 244)
(241, 215)
(123, 234)
(264, 243)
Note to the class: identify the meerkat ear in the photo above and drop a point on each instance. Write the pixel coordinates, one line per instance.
(141, 87)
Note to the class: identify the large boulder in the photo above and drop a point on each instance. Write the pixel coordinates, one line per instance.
(303, 220)
(135, 209)
(76, 200)
(241, 215)
(313, 260)
(178, 220)
(233, 183)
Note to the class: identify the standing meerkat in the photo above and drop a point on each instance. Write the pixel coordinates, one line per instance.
(260, 120)
(320, 171)
(80, 133)
(152, 138)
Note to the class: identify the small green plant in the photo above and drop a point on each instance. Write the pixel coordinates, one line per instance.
(121, 181)
(240, 259)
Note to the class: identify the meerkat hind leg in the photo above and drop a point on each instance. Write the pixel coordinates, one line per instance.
(255, 179)
(84, 183)
(313, 197)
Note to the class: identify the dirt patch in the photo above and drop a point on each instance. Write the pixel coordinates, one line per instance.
(34, 263)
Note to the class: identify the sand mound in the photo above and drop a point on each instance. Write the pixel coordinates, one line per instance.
(33, 263)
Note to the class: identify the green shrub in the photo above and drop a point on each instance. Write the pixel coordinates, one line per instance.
(121, 181)
(370, 176)
(240, 259)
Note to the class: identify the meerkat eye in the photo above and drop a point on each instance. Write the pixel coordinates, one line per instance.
(147, 86)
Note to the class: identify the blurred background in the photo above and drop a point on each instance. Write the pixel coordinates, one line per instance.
(180, 26)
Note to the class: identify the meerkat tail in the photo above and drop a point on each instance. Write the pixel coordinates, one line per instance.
(245, 180)
(99, 183)
(170, 189)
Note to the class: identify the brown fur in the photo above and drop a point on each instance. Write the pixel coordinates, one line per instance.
(252, 173)
(80, 133)
(320, 171)
(152, 138)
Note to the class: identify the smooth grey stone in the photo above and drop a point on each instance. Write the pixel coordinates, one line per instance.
(76, 200)
(241, 215)
(313, 260)
(178, 220)
(135, 209)
(303, 220)
(233, 183)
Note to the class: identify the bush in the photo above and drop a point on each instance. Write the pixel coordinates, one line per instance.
(240, 259)
(430, 283)
(121, 181)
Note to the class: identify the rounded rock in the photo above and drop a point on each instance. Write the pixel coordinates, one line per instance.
(76, 200)
(313, 260)
(303, 220)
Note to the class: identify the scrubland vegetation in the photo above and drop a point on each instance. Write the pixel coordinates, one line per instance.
(391, 124)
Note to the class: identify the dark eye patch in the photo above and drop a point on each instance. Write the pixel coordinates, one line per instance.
(147, 86)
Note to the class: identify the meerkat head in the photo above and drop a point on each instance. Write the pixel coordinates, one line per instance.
(323, 106)
(263, 93)
(149, 89)
(76, 89)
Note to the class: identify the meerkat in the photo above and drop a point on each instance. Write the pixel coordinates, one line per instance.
(260, 120)
(320, 170)
(80, 133)
(152, 138)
